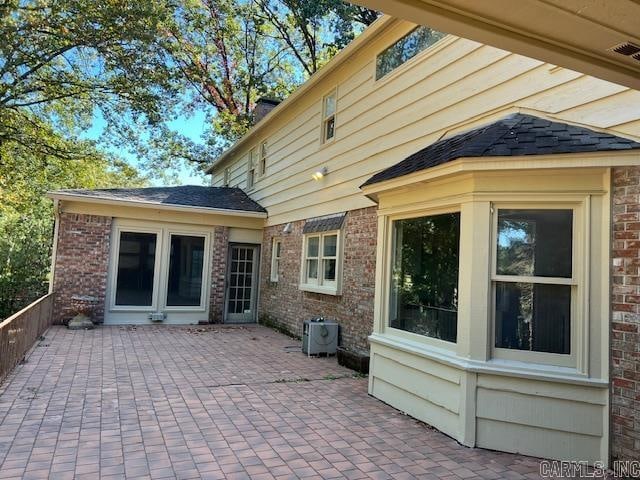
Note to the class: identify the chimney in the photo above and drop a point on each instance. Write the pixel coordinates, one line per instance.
(263, 106)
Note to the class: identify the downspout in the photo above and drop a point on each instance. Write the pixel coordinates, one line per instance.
(54, 249)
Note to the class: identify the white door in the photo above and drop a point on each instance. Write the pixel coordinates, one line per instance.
(158, 273)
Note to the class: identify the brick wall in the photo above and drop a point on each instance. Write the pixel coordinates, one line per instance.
(284, 304)
(625, 329)
(218, 273)
(82, 259)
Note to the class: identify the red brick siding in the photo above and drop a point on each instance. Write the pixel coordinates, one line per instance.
(82, 259)
(218, 273)
(625, 327)
(285, 304)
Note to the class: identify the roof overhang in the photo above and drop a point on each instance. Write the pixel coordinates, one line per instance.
(153, 205)
(514, 163)
(576, 34)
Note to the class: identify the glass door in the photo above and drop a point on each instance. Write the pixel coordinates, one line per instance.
(242, 276)
(158, 275)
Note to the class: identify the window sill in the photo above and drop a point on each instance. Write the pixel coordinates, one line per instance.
(319, 289)
(508, 368)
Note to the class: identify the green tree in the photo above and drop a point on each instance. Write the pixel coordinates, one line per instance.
(26, 215)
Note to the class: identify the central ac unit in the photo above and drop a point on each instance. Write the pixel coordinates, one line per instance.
(319, 337)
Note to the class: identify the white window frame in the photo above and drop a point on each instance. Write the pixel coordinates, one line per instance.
(157, 264)
(576, 282)
(251, 169)
(161, 267)
(169, 232)
(388, 266)
(263, 159)
(320, 285)
(327, 117)
(275, 259)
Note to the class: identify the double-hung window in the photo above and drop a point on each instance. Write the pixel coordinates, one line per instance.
(276, 251)
(263, 158)
(321, 267)
(534, 282)
(251, 169)
(329, 117)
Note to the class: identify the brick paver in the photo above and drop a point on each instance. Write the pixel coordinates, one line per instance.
(217, 402)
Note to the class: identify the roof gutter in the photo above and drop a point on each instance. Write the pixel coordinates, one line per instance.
(57, 196)
(374, 29)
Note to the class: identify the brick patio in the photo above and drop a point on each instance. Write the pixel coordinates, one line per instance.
(221, 402)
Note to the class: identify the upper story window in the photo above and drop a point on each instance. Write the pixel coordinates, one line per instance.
(227, 176)
(251, 169)
(533, 280)
(276, 252)
(419, 39)
(263, 158)
(424, 277)
(329, 117)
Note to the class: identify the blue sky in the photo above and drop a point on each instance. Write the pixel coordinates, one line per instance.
(192, 126)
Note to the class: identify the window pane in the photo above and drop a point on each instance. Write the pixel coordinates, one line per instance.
(329, 105)
(185, 270)
(136, 261)
(330, 243)
(534, 317)
(329, 128)
(329, 269)
(424, 288)
(312, 246)
(278, 246)
(405, 48)
(312, 269)
(535, 242)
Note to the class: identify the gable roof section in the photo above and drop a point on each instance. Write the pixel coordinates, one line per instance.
(216, 198)
(515, 135)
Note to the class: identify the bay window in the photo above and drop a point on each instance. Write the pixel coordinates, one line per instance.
(533, 279)
(424, 278)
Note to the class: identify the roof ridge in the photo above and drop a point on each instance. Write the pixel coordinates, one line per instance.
(507, 128)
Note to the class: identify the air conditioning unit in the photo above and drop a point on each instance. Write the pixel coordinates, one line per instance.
(319, 336)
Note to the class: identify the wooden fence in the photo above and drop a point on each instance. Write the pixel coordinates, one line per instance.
(20, 331)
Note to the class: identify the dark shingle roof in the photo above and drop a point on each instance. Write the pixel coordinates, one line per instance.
(324, 224)
(187, 196)
(515, 135)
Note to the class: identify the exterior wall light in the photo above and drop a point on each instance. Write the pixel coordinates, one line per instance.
(319, 174)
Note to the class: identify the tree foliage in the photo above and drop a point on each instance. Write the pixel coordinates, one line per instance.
(136, 66)
(26, 215)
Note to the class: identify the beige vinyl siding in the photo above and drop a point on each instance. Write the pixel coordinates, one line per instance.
(549, 420)
(455, 84)
(439, 405)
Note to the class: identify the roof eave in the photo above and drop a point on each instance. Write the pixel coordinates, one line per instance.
(605, 159)
(154, 205)
(371, 31)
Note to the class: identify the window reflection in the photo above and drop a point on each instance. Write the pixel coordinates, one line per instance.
(424, 289)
